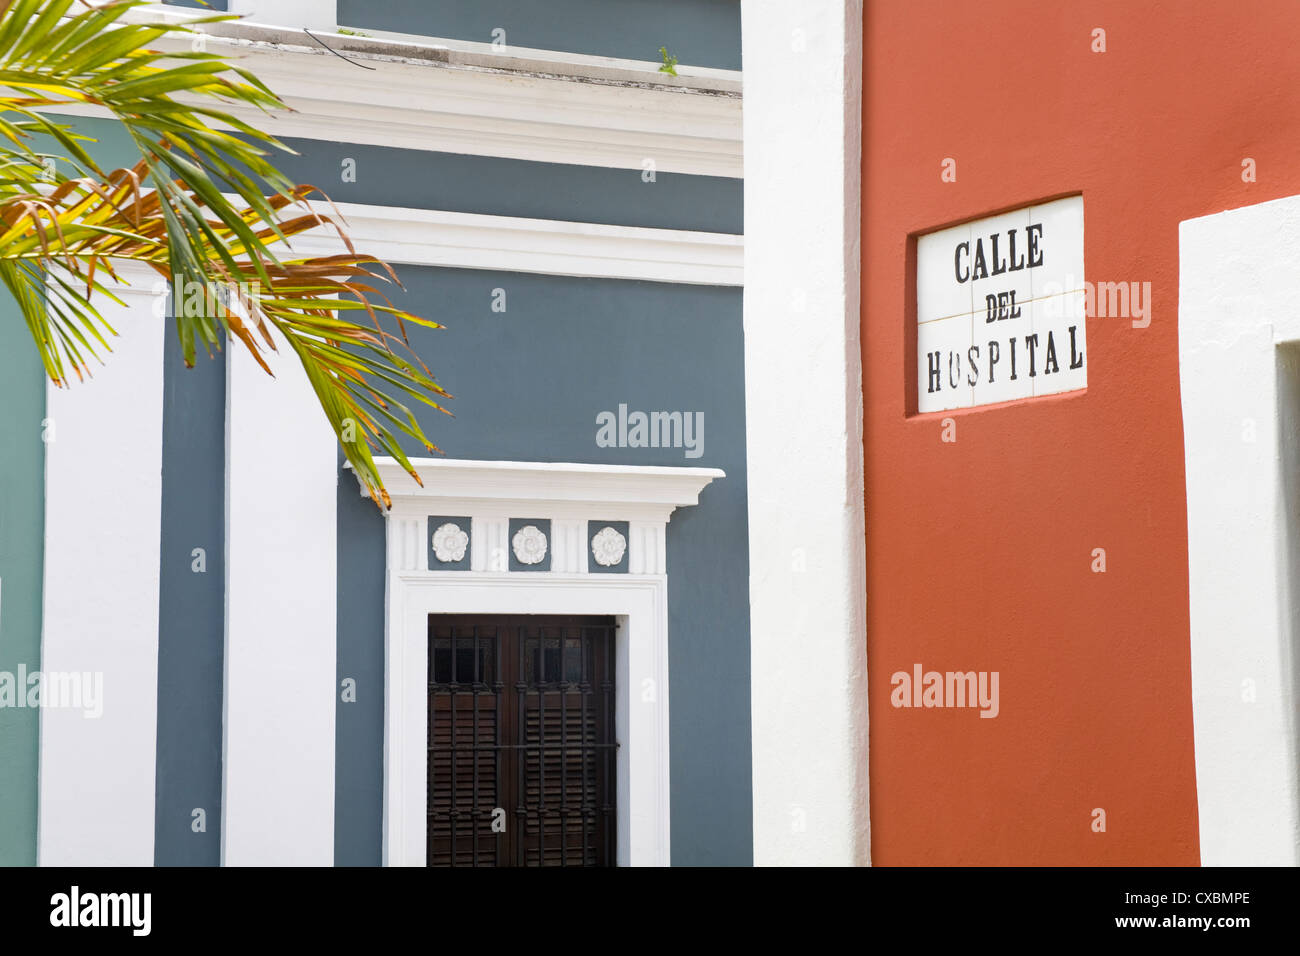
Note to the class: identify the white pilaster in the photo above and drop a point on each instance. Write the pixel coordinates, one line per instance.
(802, 187)
(103, 485)
(568, 546)
(646, 548)
(281, 461)
(408, 546)
(488, 544)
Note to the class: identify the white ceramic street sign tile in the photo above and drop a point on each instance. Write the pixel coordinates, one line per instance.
(998, 263)
(1062, 269)
(1001, 369)
(943, 350)
(937, 296)
(1024, 337)
(1060, 330)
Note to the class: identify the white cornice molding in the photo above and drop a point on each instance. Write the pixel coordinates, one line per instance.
(552, 247)
(556, 488)
(517, 104)
(578, 66)
(255, 28)
(517, 116)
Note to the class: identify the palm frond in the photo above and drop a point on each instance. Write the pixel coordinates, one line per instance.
(204, 205)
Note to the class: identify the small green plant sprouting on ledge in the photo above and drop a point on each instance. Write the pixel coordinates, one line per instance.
(670, 62)
(351, 33)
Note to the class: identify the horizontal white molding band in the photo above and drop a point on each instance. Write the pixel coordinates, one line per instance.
(402, 235)
(99, 647)
(432, 96)
(575, 66)
(281, 23)
(430, 237)
(281, 486)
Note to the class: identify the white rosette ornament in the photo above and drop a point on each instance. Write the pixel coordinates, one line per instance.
(449, 543)
(608, 547)
(529, 545)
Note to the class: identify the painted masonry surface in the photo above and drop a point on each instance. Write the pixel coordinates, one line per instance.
(545, 367)
(1043, 542)
(1065, 637)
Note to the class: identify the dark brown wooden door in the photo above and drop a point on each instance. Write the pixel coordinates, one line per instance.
(522, 754)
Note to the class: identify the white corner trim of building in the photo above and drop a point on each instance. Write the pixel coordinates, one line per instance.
(806, 537)
(1239, 365)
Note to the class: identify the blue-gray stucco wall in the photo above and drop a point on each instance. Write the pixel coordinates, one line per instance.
(191, 605)
(359, 753)
(216, 6)
(697, 32)
(493, 186)
(192, 608)
(528, 385)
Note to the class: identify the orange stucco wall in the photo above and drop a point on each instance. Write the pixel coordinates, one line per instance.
(979, 551)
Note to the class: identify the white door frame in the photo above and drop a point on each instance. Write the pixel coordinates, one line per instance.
(569, 497)
(640, 604)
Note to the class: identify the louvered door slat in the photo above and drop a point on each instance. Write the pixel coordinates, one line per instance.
(521, 751)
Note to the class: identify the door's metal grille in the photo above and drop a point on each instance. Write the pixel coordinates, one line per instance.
(521, 750)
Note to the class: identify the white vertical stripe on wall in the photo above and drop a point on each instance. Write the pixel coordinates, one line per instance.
(802, 189)
(281, 481)
(103, 488)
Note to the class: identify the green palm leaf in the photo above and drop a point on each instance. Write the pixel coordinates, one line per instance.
(203, 205)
